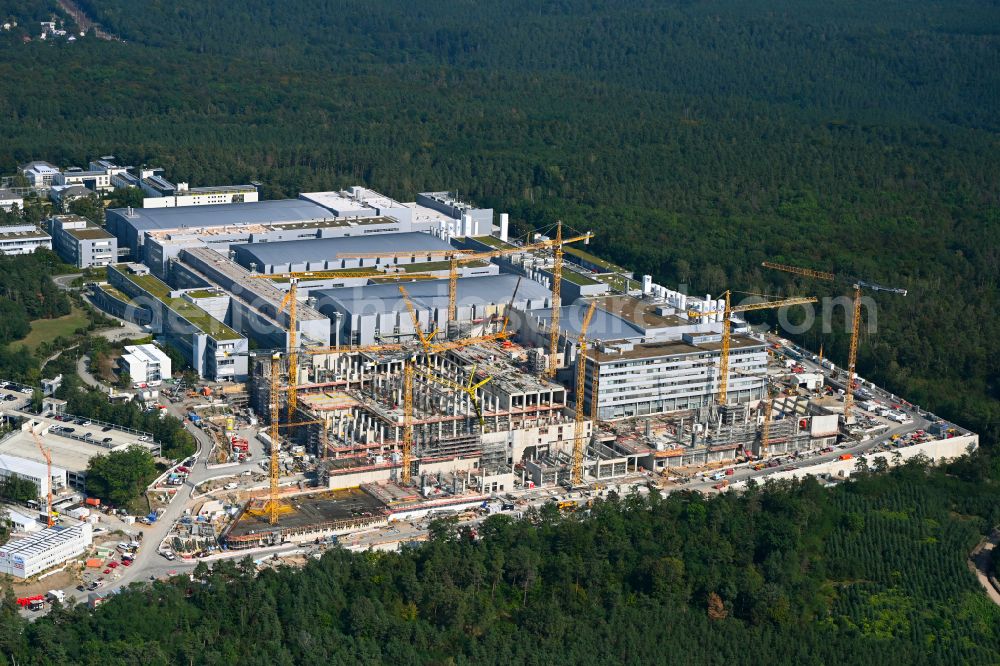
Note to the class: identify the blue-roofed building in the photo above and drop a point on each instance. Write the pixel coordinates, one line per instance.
(130, 225)
(377, 313)
(325, 253)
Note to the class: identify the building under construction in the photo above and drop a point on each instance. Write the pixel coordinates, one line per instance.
(352, 408)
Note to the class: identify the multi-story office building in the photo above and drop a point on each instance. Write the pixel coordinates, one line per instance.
(214, 350)
(23, 239)
(98, 180)
(81, 242)
(145, 364)
(650, 357)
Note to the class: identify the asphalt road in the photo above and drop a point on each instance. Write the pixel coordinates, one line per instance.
(149, 563)
(63, 281)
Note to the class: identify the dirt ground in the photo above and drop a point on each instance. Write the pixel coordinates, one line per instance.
(56, 581)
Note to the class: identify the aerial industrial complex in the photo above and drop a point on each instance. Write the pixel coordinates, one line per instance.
(398, 359)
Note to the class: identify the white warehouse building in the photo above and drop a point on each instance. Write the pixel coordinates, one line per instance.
(33, 471)
(31, 555)
(145, 364)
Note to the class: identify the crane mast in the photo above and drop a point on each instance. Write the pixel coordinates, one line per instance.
(550, 371)
(581, 370)
(47, 454)
(407, 421)
(273, 472)
(857, 285)
(727, 313)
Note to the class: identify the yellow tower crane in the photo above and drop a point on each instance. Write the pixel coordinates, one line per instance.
(47, 454)
(727, 314)
(429, 347)
(858, 286)
(407, 421)
(273, 508)
(291, 302)
(550, 369)
(576, 476)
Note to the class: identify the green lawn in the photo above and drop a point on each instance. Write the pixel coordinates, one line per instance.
(46, 330)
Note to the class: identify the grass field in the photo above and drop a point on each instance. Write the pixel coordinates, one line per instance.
(43, 330)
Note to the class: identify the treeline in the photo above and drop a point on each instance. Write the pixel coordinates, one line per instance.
(871, 572)
(695, 139)
(27, 292)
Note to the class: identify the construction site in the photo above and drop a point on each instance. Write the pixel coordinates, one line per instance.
(420, 368)
(431, 424)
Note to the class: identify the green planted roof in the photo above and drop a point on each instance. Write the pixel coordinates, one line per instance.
(593, 259)
(205, 322)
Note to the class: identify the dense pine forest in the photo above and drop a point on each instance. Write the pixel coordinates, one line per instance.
(697, 139)
(871, 572)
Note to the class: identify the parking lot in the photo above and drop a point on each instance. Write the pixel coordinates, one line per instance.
(104, 435)
(14, 396)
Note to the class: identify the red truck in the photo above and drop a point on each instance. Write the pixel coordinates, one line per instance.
(35, 602)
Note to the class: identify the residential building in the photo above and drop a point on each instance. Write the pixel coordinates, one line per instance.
(8, 200)
(23, 239)
(145, 364)
(31, 555)
(40, 174)
(81, 242)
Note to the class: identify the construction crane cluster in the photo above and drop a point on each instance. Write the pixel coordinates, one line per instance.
(459, 257)
(858, 285)
(727, 314)
(273, 507)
